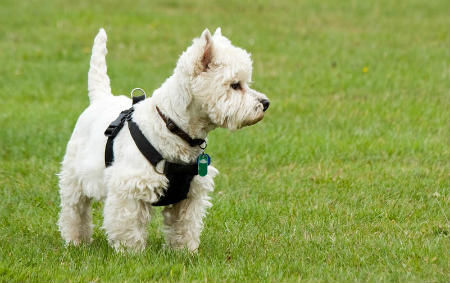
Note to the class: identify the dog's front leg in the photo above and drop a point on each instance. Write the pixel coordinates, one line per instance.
(125, 222)
(183, 222)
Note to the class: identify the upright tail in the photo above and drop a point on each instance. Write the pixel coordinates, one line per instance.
(98, 80)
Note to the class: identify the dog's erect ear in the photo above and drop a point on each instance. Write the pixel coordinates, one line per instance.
(208, 50)
(218, 32)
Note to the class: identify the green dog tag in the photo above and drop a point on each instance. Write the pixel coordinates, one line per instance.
(203, 160)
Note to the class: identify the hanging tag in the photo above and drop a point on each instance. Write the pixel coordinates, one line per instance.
(203, 160)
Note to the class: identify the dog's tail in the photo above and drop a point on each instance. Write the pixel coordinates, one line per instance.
(98, 80)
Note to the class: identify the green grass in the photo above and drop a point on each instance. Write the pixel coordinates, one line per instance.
(346, 179)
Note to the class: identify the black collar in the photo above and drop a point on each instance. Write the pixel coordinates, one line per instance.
(171, 126)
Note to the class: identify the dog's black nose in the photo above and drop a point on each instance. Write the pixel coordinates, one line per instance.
(265, 103)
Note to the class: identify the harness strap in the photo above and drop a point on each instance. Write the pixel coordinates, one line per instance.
(174, 168)
(144, 146)
(109, 153)
(153, 156)
(137, 99)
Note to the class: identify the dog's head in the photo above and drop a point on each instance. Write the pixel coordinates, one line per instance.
(219, 76)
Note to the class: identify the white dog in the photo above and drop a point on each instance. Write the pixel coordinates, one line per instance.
(209, 88)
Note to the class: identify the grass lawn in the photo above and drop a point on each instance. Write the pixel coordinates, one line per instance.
(346, 179)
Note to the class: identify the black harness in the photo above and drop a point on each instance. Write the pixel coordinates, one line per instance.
(179, 175)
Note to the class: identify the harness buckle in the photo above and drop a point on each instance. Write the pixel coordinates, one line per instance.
(116, 125)
(111, 131)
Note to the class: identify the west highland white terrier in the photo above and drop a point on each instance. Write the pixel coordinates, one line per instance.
(209, 88)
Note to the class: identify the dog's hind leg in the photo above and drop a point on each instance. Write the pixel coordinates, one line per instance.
(75, 220)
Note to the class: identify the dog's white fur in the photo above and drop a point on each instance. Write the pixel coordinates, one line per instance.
(198, 97)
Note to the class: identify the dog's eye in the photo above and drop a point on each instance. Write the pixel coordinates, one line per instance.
(236, 86)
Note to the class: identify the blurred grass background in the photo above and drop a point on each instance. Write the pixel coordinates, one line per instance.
(346, 178)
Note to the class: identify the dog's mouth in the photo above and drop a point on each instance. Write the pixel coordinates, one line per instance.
(252, 122)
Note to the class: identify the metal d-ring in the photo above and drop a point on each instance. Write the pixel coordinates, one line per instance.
(137, 89)
(203, 147)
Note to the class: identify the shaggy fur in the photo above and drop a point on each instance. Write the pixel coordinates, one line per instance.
(198, 97)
